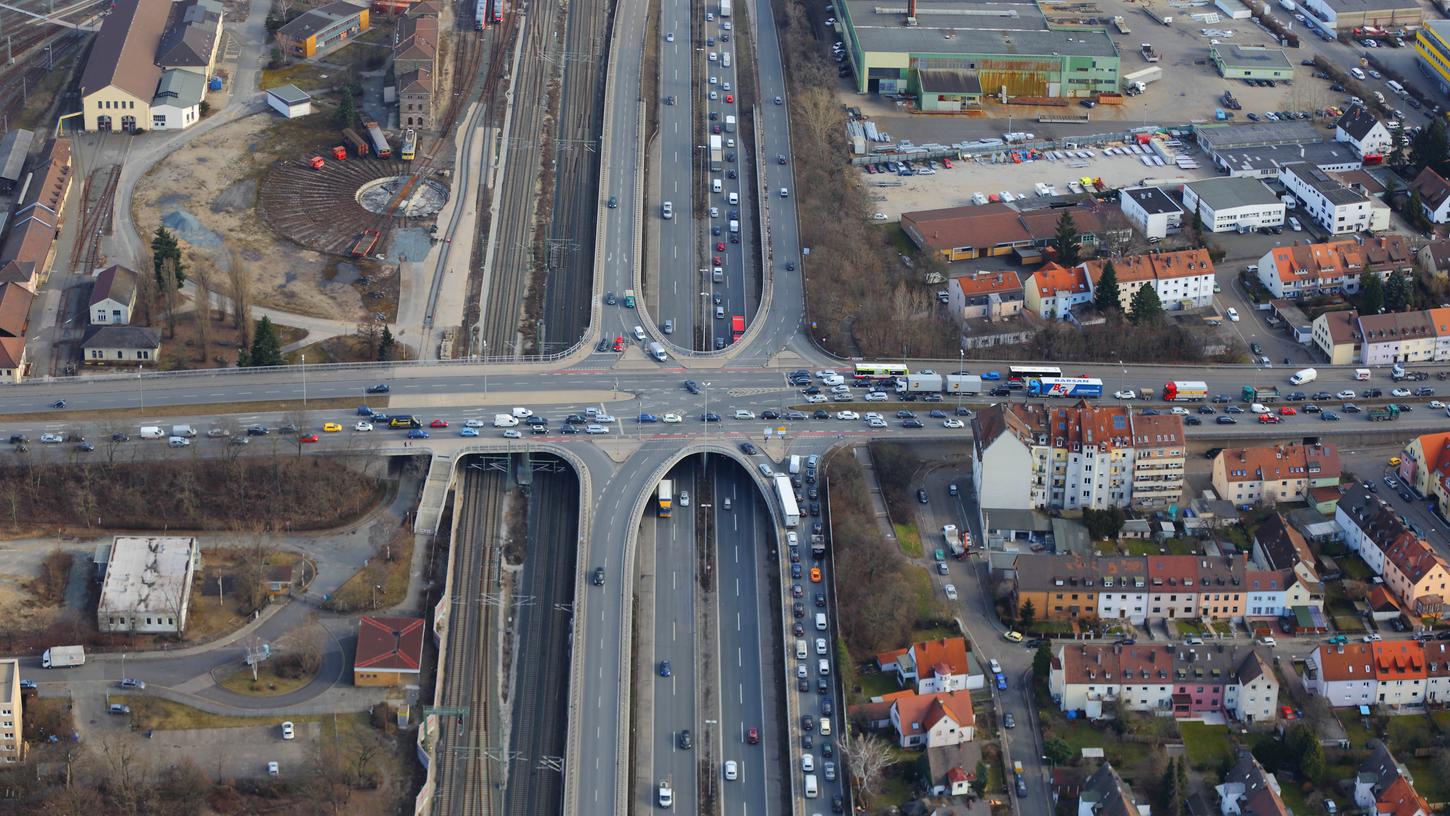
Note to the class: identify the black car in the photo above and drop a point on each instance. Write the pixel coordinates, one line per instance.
(922, 497)
(827, 709)
(599, 576)
(1257, 349)
(748, 449)
(795, 570)
(1227, 420)
(1192, 420)
(795, 555)
(258, 430)
(119, 437)
(803, 685)
(380, 388)
(569, 429)
(692, 386)
(820, 600)
(1207, 409)
(610, 299)
(822, 686)
(537, 420)
(905, 414)
(1407, 495)
(798, 629)
(1372, 393)
(808, 723)
(815, 389)
(86, 447)
(1000, 391)
(808, 741)
(937, 413)
(838, 804)
(1321, 395)
(815, 508)
(19, 439)
(794, 415)
(576, 419)
(912, 423)
(1221, 398)
(1424, 391)
(686, 741)
(798, 609)
(709, 416)
(770, 413)
(1297, 396)
(963, 411)
(1212, 452)
(821, 413)
(1148, 412)
(289, 428)
(1311, 408)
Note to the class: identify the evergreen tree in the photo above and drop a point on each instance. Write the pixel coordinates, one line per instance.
(1371, 293)
(266, 348)
(386, 344)
(1042, 662)
(1397, 293)
(1106, 298)
(1147, 308)
(164, 246)
(346, 114)
(1169, 783)
(1431, 147)
(1180, 778)
(979, 778)
(1398, 147)
(1069, 251)
(1027, 615)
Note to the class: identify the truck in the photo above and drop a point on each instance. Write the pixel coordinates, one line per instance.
(918, 383)
(717, 153)
(790, 514)
(1143, 76)
(666, 498)
(185, 431)
(969, 384)
(629, 298)
(1185, 391)
(1150, 54)
(657, 351)
(1165, 19)
(1080, 387)
(1384, 414)
(1122, 25)
(60, 657)
(729, 124)
(1263, 396)
(724, 8)
(953, 539)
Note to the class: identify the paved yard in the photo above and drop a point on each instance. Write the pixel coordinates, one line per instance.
(234, 752)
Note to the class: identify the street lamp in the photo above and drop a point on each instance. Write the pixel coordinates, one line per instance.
(141, 387)
(304, 382)
(485, 366)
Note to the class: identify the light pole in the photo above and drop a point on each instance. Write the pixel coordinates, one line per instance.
(141, 387)
(705, 331)
(485, 367)
(304, 382)
(961, 369)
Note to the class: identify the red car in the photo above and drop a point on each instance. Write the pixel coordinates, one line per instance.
(719, 246)
(1288, 410)
(715, 129)
(1269, 419)
(438, 423)
(619, 343)
(729, 99)
(947, 163)
(714, 260)
(312, 437)
(753, 736)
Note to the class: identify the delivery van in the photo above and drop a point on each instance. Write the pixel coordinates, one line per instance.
(716, 186)
(151, 432)
(821, 621)
(183, 430)
(1361, 373)
(812, 789)
(1304, 376)
(825, 726)
(795, 465)
(505, 420)
(725, 58)
(734, 227)
(800, 649)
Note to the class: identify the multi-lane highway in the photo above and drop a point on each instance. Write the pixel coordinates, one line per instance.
(677, 651)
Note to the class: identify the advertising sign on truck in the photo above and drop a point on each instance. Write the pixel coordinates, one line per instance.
(964, 384)
(916, 383)
(1065, 387)
(1185, 391)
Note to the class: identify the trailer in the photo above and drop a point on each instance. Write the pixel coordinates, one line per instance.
(1185, 391)
(1122, 25)
(1083, 387)
(381, 148)
(1165, 19)
(666, 498)
(790, 513)
(1152, 73)
(358, 144)
(969, 384)
(717, 154)
(363, 246)
(919, 383)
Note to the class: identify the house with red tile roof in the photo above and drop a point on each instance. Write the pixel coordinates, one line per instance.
(1249, 790)
(389, 651)
(931, 665)
(1342, 673)
(1054, 290)
(1426, 465)
(1417, 575)
(1331, 267)
(1400, 672)
(1412, 570)
(1182, 279)
(1274, 473)
(933, 720)
(1382, 786)
(1437, 671)
(985, 296)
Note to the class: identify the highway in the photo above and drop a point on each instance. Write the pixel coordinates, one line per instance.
(679, 254)
(676, 580)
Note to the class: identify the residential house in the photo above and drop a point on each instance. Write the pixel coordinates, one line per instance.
(12, 712)
(1361, 129)
(1397, 337)
(1393, 673)
(1275, 594)
(1173, 586)
(1065, 587)
(113, 297)
(15, 302)
(322, 30)
(1400, 672)
(1333, 206)
(147, 586)
(1342, 673)
(1277, 545)
(934, 665)
(1249, 790)
(1368, 525)
(1225, 204)
(121, 345)
(1332, 267)
(1106, 794)
(389, 651)
(1182, 279)
(1077, 456)
(13, 360)
(1434, 195)
(1437, 672)
(1272, 474)
(278, 580)
(1189, 682)
(415, 48)
(1151, 211)
(933, 720)
(1434, 258)
(1417, 575)
(985, 296)
(1383, 786)
(1425, 464)
(1336, 335)
(1054, 291)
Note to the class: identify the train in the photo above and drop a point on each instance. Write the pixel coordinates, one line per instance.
(496, 10)
(356, 142)
(381, 148)
(410, 144)
(480, 14)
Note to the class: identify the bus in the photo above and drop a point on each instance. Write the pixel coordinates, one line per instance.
(880, 371)
(1018, 375)
(480, 15)
(410, 144)
(737, 328)
(785, 492)
(666, 497)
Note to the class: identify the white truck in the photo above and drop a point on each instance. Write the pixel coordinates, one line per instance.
(964, 384)
(953, 539)
(60, 657)
(724, 8)
(917, 383)
(729, 124)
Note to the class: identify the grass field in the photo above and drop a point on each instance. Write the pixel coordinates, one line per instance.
(166, 715)
(1208, 746)
(267, 684)
(908, 540)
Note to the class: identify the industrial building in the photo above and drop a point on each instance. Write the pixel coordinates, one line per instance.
(1151, 211)
(1260, 149)
(1251, 62)
(1342, 15)
(1432, 48)
(1333, 206)
(989, 230)
(147, 588)
(14, 149)
(1226, 204)
(323, 30)
(951, 54)
(149, 65)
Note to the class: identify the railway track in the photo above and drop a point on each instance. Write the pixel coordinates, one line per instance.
(95, 221)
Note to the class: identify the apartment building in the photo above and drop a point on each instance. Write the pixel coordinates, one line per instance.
(1151, 211)
(1412, 571)
(985, 296)
(1053, 291)
(1426, 465)
(12, 712)
(1332, 267)
(1075, 457)
(1185, 681)
(1397, 337)
(1362, 130)
(1392, 673)
(1336, 335)
(1272, 474)
(1140, 589)
(1332, 205)
(1183, 279)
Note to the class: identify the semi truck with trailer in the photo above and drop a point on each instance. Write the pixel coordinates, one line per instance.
(1185, 391)
(724, 8)
(717, 152)
(953, 540)
(785, 493)
(1079, 387)
(61, 657)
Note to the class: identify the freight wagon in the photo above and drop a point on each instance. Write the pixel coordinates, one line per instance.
(381, 148)
(357, 143)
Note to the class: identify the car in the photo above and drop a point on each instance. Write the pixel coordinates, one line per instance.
(131, 683)
(438, 423)
(1008, 721)
(257, 430)
(686, 741)
(1125, 394)
(1288, 410)
(1012, 636)
(709, 416)
(1270, 419)
(1312, 408)
(1233, 409)
(1400, 392)
(512, 433)
(1372, 637)
(51, 439)
(1345, 395)
(380, 388)
(752, 736)
(1329, 416)
(847, 416)
(991, 375)
(922, 497)
(1338, 640)
(953, 423)
(912, 423)
(1001, 680)
(1233, 314)
(362, 426)
(808, 722)
(951, 591)
(288, 732)
(815, 575)
(417, 433)
(732, 771)
(1226, 420)
(311, 437)
(672, 419)
(273, 769)
(596, 429)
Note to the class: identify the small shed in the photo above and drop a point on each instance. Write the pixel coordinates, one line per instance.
(290, 101)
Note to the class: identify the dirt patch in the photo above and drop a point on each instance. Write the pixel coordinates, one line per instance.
(207, 192)
(183, 349)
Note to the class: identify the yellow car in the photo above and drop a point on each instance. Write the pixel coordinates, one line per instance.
(1015, 637)
(1394, 461)
(331, 427)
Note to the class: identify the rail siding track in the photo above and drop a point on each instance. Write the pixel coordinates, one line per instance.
(95, 221)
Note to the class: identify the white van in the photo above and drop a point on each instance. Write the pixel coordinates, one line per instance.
(505, 421)
(1307, 375)
(725, 58)
(151, 432)
(825, 726)
(823, 666)
(1356, 73)
(716, 186)
(812, 789)
(795, 465)
(1396, 87)
(178, 441)
(800, 649)
(734, 227)
(733, 198)
(717, 274)
(821, 621)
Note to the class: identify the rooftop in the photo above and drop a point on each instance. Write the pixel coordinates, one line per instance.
(315, 20)
(1252, 57)
(290, 94)
(955, 27)
(1319, 181)
(1152, 200)
(1228, 192)
(389, 644)
(151, 574)
(1371, 6)
(1253, 134)
(14, 149)
(1357, 122)
(124, 51)
(1267, 158)
(1279, 463)
(9, 669)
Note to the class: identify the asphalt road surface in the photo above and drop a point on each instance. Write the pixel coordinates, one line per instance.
(680, 281)
(675, 641)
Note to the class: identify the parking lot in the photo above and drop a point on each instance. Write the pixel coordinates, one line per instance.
(233, 752)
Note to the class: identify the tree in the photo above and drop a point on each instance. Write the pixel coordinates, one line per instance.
(979, 778)
(386, 344)
(164, 247)
(1069, 249)
(241, 293)
(1104, 524)
(1431, 147)
(1056, 750)
(1398, 292)
(1027, 615)
(1311, 758)
(266, 348)
(1371, 293)
(1398, 146)
(203, 309)
(867, 757)
(1106, 298)
(1042, 661)
(1146, 307)
(346, 114)
(1354, 590)
(1414, 209)
(170, 291)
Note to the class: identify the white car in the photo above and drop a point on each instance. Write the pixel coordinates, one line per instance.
(287, 731)
(744, 414)
(870, 415)
(1233, 314)
(684, 498)
(672, 419)
(1436, 404)
(595, 429)
(1345, 394)
(363, 426)
(951, 590)
(1372, 637)
(876, 422)
(1400, 392)
(512, 433)
(273, 769)
(1269, 641)
(877, 396)
(953, 423)
(670, 37)
(52, 438)
(732, 771)
(1179, 410)
(522, 413)
(851, 416)
(994, 666)
(815, 398)
(825, 373)
(1125, 394)
(473, 423)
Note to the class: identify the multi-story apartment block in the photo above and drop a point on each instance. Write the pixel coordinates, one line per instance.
(1396, 337)
(1186, 681)
(1138, 589)
(1053, 291)
(12, 741)
(1333, 206)
(1332, 267)
(1075, 457)
(1183, 279)
(1410, 567)
(1280, 473)
(985, 296)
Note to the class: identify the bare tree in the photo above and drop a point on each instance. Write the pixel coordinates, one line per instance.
(169, 293)
(146, 293)
(126, 771)
(241, 292)
(201, 270)
(867, 757)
